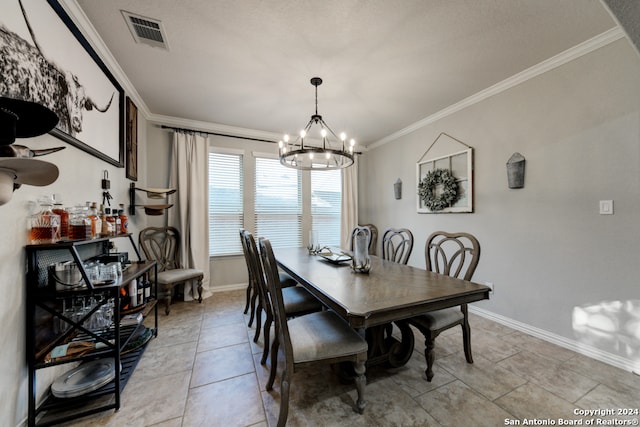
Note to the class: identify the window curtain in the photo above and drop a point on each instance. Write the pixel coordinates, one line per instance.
(349, 203)
(188, 174)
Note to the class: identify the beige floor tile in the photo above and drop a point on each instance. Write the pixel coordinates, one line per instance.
(411, 377)
(531, 401)
(165, 360)
(143, 405)
(455, 404)
(536, 345)
(549, 374)
(222, 336)
(231, 402)
(611, 376)
(222, 363)
(483, 376)
(490, 345)
(603, 397)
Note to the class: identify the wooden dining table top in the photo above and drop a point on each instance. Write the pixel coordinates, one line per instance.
(389, 292)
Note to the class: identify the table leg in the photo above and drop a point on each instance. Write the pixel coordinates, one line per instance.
(384, 348)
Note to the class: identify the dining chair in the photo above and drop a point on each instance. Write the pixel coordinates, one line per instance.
(252, 293)
(162, 244)
(320, 337)
(297, 300)
(397, 244)
(373, 233)
(456, 255)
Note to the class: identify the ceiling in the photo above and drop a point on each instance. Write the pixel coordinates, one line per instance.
(386, 64)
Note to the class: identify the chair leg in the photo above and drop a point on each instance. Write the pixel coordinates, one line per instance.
(429, 344)
(246, 306)
(258, 321)
(200, 290)
(167, 299)
(254, 296)
(284, 399)
(361, 381)
(267, 335)
(274, 363)
(466, 339)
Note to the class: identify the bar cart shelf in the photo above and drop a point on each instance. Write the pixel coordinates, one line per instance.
(52, 328)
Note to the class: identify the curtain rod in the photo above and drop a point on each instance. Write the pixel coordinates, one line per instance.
(224, 134)
(218, 134)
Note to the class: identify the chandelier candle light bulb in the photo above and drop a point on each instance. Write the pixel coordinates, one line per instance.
(336, 153)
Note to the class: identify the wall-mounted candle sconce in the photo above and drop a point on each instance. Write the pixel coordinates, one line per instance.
(397, 189)
(515, 171)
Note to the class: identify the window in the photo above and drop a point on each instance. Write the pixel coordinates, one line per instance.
(326, 204)
(278, 203)
(226, 208)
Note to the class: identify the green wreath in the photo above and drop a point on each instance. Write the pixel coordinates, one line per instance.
(427, 186)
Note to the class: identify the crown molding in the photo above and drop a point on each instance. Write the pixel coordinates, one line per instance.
(556, 61)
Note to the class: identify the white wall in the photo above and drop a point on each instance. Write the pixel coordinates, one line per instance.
(79, 181)
(545, 247)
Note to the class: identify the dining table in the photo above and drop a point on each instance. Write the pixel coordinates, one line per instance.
(373, 302)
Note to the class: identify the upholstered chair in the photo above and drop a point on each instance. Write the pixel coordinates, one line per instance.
(456, 255)
(320, 337)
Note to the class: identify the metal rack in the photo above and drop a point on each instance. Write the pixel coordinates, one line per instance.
(45, 315)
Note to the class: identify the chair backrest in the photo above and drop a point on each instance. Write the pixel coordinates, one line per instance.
(254, 266)
(453, 254)
(161, 244)
(245, 251)
(275, 292)
(397, 244)
(373, 237)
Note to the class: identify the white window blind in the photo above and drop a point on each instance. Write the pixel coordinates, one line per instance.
(278, 203)
(326, 205)
(226, 210)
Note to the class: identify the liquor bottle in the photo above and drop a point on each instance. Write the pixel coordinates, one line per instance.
(64, 216)
(104, 223)
(117, 224)
(111, 224)
(133, 292)
(147, 288)
(140, 290)
(44, 225)
(124, 220)
(96, 222)
(79, 223)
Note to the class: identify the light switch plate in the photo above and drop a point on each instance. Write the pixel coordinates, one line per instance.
(606, 207)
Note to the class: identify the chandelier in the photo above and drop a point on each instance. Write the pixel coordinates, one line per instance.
(322, 152)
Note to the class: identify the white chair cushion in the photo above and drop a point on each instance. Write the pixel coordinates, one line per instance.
(439, 318)
(178, 275)
(323, 335)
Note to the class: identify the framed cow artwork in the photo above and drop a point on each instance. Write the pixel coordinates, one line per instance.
(45, 59)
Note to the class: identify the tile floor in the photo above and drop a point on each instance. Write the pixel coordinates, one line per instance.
(204, 370)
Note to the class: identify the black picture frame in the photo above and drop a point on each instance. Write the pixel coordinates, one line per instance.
(71, 79)
(131, 168)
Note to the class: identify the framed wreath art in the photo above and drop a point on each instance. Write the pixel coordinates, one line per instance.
(444, 181)
(438, 190)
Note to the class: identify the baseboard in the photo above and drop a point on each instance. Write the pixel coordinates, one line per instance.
(578, 347)
(225, 288)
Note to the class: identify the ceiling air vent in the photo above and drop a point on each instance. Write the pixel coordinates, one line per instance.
(146, 30)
